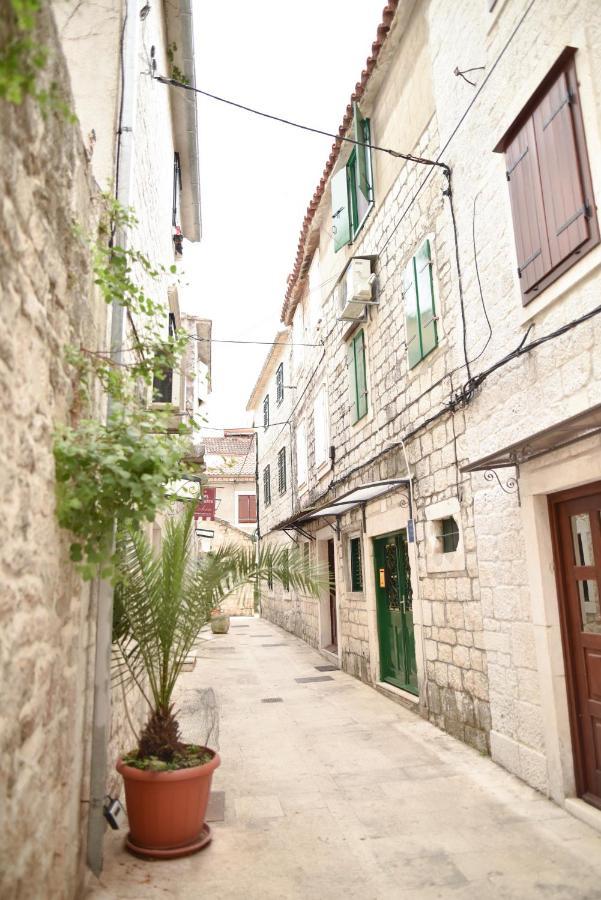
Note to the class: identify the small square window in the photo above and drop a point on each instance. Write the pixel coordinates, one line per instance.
(449, 535)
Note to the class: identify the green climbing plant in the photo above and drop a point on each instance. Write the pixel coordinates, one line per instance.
(116, 471)
(176, 73)
(23, 59)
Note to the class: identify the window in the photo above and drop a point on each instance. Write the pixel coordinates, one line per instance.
(421, 334)
(286, 570)
(266, 412)
(449, 535)
(282, 470)
(301, 453)
(357, 377)
(267, 485)
(313, 316)
(247, 509)
(352, 187)
(162, 384)
(549, 180)
(356, 565)
(176, 206)
(279, 384)
(320, 426)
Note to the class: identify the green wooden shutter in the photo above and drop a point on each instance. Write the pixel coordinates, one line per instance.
(341, 225)
(425, 298)
(412, 336)
(361, 134)
(352, 380)
(361, 375)
(356, 568)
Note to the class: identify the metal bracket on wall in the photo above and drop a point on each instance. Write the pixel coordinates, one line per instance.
(511, 486)
(335, 528)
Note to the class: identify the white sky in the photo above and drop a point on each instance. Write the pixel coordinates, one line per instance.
(298, 60)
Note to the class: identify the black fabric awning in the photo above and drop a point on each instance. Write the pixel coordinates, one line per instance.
(556, 436)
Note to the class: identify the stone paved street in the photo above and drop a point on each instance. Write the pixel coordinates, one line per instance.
(338, 792)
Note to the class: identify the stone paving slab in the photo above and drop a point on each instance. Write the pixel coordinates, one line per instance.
(338, 792)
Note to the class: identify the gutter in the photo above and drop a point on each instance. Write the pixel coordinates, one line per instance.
(179, 18)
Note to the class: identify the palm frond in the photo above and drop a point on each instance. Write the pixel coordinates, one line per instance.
(163, 600)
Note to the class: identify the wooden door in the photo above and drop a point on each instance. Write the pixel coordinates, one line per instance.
(332, 575)
(576, 519)
(395, 612)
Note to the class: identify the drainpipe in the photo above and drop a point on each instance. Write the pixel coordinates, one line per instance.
(258, 543)
(101, 722)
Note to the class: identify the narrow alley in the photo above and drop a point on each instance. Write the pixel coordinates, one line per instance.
(334, 791)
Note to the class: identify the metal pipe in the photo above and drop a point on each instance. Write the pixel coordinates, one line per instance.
(101, 721)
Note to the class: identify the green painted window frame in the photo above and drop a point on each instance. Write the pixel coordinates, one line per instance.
(421, 328)
(279, 384)
(267, 486)
(358, 169)
(266, 412)
(357, 377)
(356, 565)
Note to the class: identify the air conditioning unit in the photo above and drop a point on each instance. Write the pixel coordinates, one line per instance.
(355, 290)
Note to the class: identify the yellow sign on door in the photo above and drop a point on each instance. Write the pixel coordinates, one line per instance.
(382, 578)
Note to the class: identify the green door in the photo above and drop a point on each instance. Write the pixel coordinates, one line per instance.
(395, 612)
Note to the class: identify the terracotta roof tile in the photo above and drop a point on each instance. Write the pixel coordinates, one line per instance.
(238, 448)
(388, 14)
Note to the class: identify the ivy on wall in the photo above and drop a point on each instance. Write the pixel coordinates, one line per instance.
(23, 58)
(116, 470)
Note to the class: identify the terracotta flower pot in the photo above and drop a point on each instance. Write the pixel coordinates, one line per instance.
(166, 810)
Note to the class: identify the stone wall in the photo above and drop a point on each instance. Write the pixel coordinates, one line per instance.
(554, 381)
(47, 616)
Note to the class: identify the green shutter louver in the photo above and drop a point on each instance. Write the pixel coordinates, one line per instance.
(352, 381)
(356, 566)
(357, 374)
(421, 334)
(341, 225)
(361, 135)
(361, 375)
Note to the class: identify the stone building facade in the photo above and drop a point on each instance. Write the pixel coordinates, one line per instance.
(229, 506)
(54, 627)
(436, 372)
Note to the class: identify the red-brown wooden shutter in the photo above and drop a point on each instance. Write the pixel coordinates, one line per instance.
(566, 210)
(532, 247)
(252, 508)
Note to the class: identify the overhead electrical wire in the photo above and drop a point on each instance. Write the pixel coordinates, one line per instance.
(337, 137)
(472, 382)
(267, 343)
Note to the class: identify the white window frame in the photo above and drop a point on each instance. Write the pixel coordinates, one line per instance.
(325, 461)
(302, 472)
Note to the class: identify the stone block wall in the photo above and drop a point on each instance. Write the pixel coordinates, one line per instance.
(47, 616)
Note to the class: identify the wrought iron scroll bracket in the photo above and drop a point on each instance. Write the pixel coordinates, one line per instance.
(511, 486)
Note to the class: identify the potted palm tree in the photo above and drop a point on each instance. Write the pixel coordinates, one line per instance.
(162, 601)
